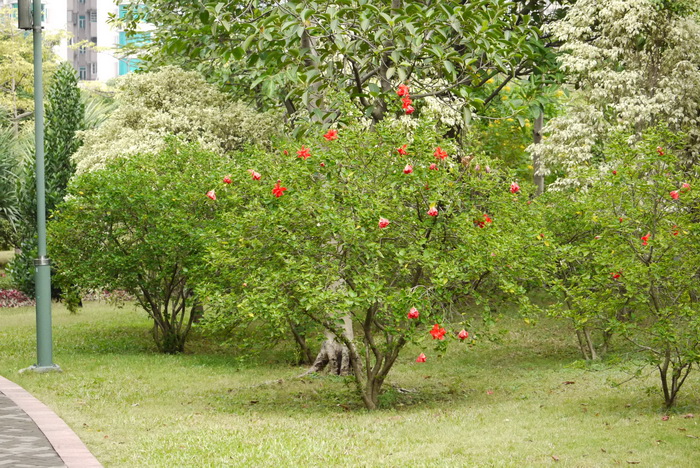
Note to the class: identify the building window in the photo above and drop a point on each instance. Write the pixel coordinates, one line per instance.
(83, 73)
(81, 1)
(94, 68)
(81, 22)
(93, 17)
(82, 49)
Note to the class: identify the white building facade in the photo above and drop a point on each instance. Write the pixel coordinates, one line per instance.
(92, 44)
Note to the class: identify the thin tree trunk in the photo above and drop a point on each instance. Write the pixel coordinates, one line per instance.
(538, 177)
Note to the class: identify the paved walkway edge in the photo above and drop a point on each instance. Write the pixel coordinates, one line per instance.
(68, 446)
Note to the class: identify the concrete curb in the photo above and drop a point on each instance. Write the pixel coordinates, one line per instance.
(64, 441)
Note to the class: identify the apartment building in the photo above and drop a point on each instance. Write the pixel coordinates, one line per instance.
(91, 45)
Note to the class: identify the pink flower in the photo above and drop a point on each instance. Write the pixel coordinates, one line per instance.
(408, 169)
(413, 313)
(514, 187)
(433, 167)
(410, 110)
(432, 211)
(254, 175)
(211, 194)
(437, 332)
(402, 151)
(278, 190)
(674, 194)
(420, 358)
(685, 187)
(331, 135)
(440, 153)
(304, 153)
(403, 90)
(463, 335)
(227, 180)
(383, 222)
(645, 239)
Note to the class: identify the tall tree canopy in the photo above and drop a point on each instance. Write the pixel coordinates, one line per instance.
(310, 55)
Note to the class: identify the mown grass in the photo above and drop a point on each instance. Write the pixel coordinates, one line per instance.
(504, 404)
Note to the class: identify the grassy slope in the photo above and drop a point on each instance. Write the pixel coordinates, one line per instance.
(133, 407)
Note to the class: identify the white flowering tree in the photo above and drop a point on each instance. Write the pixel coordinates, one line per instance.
(171, 101)
(635, 63)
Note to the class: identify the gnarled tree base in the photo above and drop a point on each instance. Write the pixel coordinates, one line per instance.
(332, 355)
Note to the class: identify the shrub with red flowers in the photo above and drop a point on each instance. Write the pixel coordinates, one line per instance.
(627, 258)
(375, 257)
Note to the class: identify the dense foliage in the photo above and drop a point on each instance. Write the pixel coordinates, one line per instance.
(136, 225)
(63, 119)
(310, 56)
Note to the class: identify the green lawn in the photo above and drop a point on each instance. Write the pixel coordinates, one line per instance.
(494, 405)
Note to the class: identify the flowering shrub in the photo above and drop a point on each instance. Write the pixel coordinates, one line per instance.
(346, 235)
(14, 298)
(628, 258)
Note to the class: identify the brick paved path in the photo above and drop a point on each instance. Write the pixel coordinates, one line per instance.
(31, 435)
(22, 444)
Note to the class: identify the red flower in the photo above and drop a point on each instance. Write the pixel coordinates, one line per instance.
(614, 172)
(420, 358)
(645, 239)
(616, 275)
(486, 218)
(437, 332)
(227, 180)
(408, 169)
(406, 102)
(383, 222)
(674, 194)
(402, 151)
(413, 313)
(304, 153)
(514, 187)
(660, 150)
(211, 194)
(278, 190)
(675, 230)
(322, 164)
(463, 335)
(685, 187)
(403, 90)
(434, 167)
(482, 223)
(432, 211)
(440, 153)
(331, 135)
(254, 175)
(621, 219)
(285, 152)
(410, 110)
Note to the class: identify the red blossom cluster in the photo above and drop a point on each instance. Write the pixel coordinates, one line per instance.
(406, 102)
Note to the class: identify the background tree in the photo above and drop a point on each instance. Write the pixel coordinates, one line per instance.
(64, 118)
(636, 64)
(171, 101)
(305, 55)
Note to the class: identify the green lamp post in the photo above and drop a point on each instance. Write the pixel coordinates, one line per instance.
(42, 264)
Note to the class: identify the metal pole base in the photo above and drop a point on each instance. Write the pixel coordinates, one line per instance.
(41, 369)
